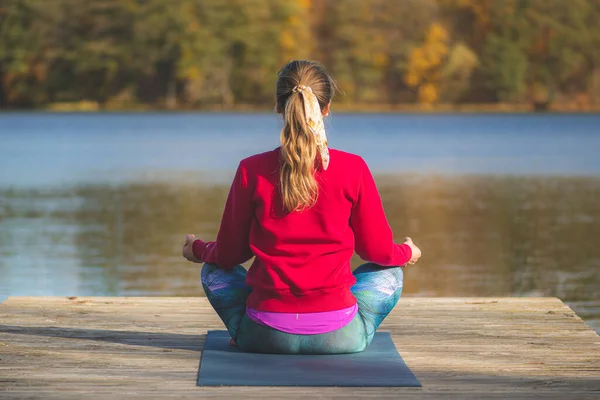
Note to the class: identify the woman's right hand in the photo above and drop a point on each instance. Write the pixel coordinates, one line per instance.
(188, 249)
(416, 252)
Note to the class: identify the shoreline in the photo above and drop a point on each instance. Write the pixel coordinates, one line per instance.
(490, 108)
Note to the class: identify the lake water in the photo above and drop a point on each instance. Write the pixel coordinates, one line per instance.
(502, 205)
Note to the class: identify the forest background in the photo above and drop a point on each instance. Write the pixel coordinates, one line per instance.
(384, 54)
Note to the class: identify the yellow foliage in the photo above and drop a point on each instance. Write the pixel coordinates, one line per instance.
(74, 106)
(418, 62)
(193, 73)
(193, 26)
(287, 41)
(306, 4)
(381, 60)
(428, 93)
(436, 33)
(411, 79)
(295, 35)
(425, 63)
(295, 21)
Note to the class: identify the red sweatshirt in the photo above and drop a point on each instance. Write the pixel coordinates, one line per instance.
(302, 259)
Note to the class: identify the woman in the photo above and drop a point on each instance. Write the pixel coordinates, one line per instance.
(302, 210)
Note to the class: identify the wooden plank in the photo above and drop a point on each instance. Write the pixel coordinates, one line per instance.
(53, 347)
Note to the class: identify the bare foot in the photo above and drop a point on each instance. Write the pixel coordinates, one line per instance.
(231, 342)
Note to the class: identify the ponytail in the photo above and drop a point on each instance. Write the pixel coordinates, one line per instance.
(304, 89)
(299, 188)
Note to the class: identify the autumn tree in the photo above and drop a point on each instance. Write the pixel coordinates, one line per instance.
(424, 70)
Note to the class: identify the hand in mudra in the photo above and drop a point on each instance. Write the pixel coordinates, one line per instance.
(187, 251)
(416, 252)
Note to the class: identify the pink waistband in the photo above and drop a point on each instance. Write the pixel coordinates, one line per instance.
(304, 323)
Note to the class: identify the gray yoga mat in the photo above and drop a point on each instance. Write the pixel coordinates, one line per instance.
(380, 365)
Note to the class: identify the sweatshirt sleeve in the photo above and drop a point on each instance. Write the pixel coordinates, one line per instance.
(232, 246)
(373, 237)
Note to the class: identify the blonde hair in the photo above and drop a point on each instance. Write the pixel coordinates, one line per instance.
(298, 186)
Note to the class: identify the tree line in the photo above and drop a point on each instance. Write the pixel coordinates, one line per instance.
(212, 53)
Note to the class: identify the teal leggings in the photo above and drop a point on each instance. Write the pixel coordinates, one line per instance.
(377, 290)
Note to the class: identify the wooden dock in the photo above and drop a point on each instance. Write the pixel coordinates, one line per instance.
(100, 347)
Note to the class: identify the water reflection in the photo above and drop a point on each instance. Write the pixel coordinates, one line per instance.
(481, 236)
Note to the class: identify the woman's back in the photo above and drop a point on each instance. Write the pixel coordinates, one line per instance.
(302, 257)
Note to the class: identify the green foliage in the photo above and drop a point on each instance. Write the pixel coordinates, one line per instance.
(198, 53)
(505, 67)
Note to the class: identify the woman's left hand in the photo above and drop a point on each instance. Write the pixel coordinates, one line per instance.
(187, 251)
